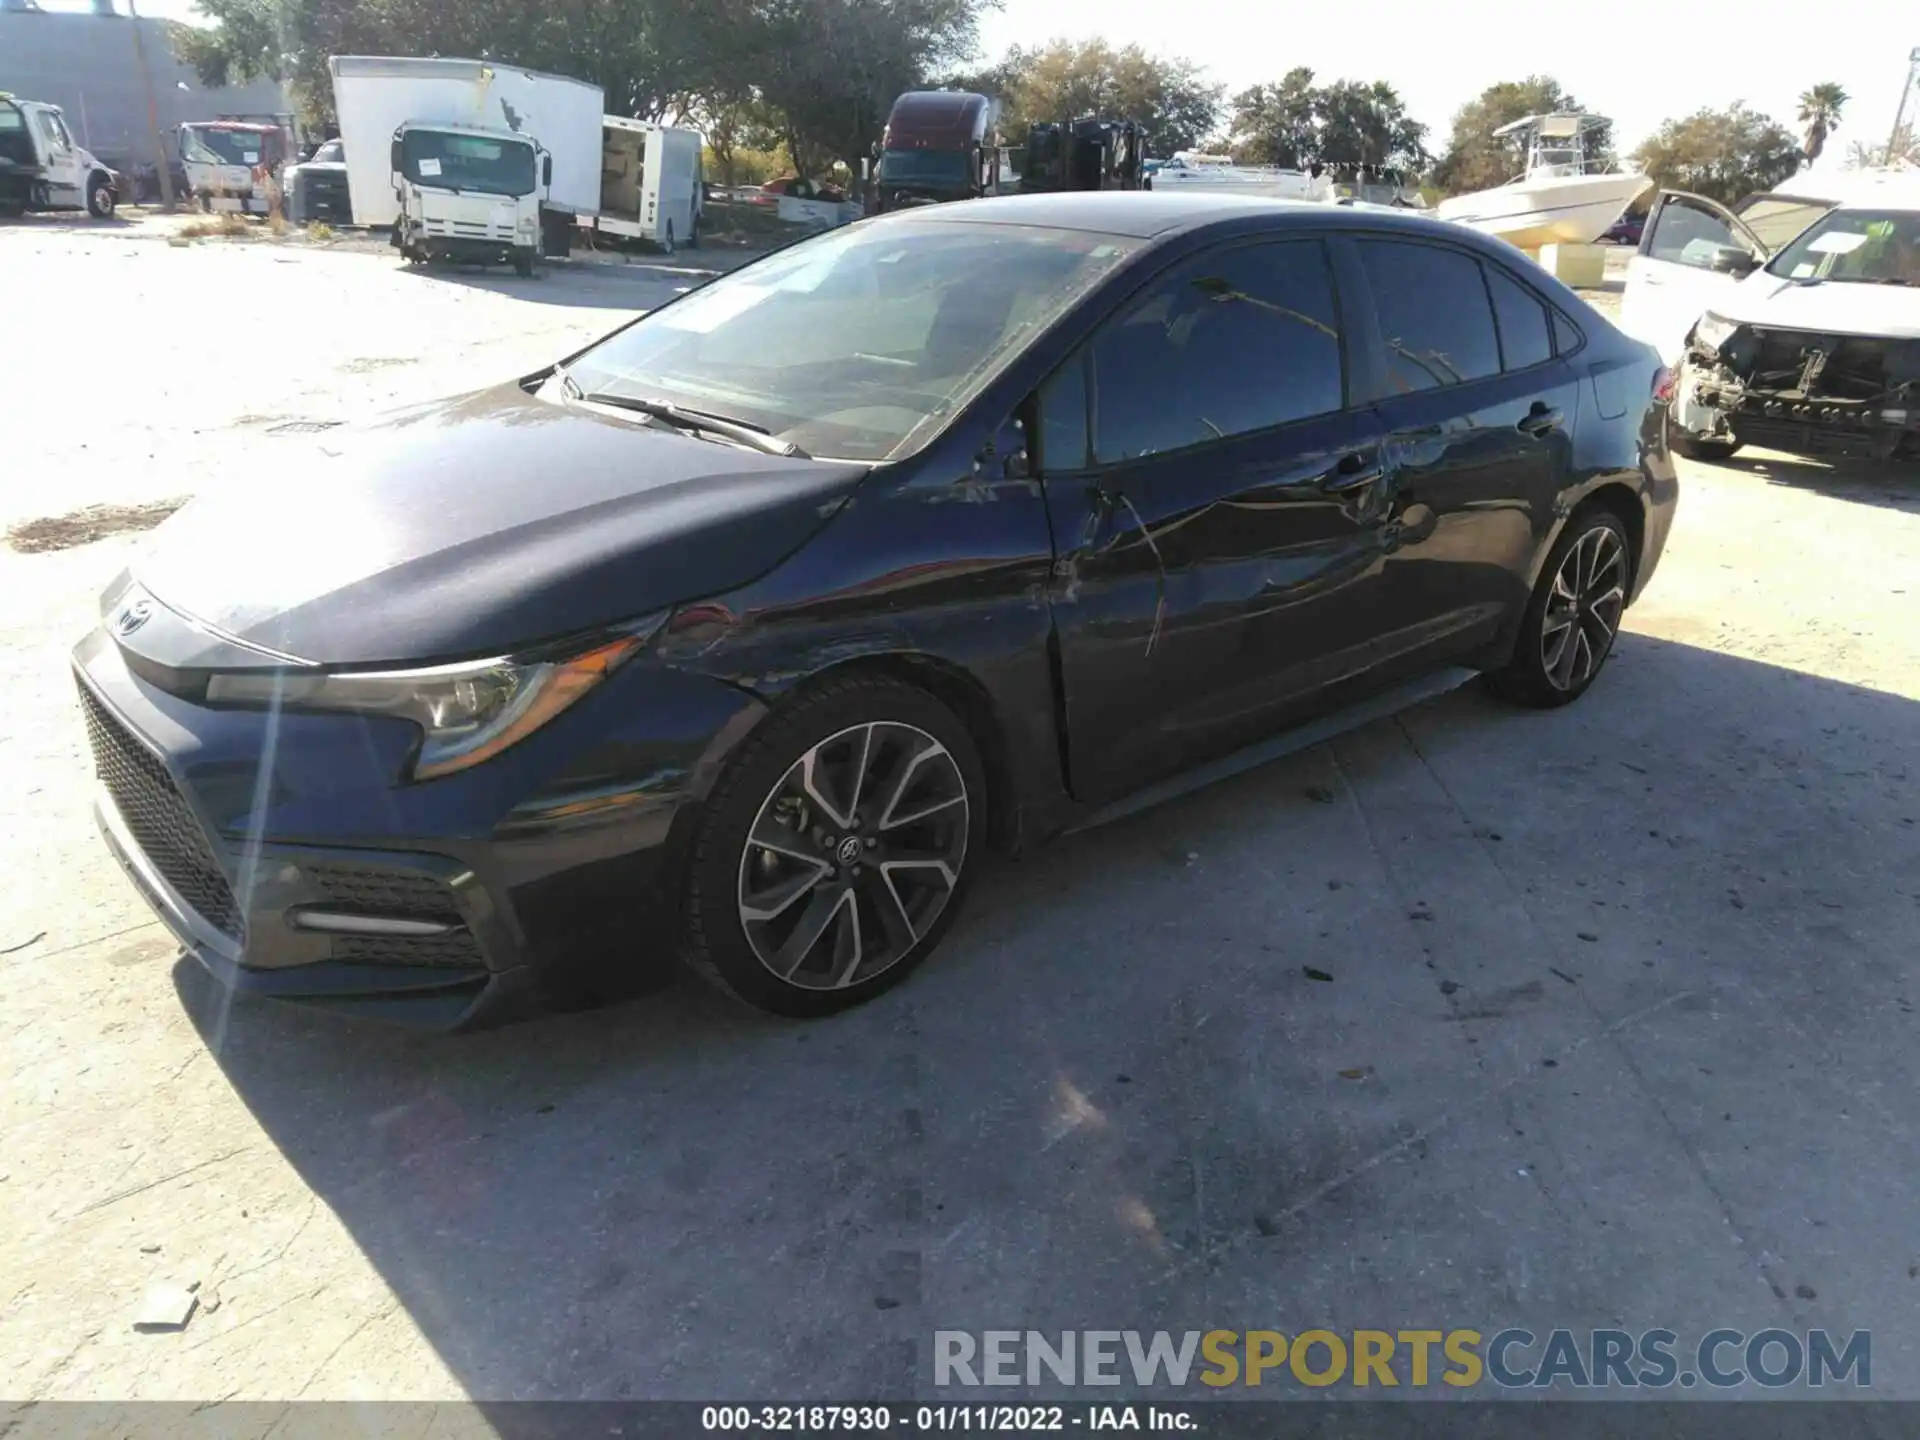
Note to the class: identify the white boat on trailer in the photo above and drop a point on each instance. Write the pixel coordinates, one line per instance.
(1566, 196)
(1190, 172)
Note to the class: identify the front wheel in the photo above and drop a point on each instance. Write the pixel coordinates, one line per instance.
(1702, 447)
(1570, 623)
(525, 264)
(667, 244)
(693, 235)
(100, 199)
(834, 851)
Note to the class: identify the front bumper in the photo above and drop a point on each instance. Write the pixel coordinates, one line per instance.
(1807, 393)
(283, 856)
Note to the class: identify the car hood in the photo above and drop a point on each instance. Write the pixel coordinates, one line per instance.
(1831, 307)
(473, 526)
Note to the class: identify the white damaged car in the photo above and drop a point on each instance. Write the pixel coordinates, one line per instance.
(1792, 320)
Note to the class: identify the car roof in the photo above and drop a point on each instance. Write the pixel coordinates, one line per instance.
(1148, 214)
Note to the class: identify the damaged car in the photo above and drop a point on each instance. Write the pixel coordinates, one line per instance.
(740, 635)
(1807, 343)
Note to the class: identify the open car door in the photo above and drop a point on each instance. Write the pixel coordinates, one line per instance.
(1692, 252)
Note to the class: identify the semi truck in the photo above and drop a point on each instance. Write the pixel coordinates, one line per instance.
(652, 185)
(474, 161)
(938, 145)
(42, 169)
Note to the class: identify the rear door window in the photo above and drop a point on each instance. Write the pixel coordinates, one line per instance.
(1229, 342)
(1436, 320)
(1526, 335)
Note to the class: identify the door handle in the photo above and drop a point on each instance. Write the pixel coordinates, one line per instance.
(1540, 421)
(1354, 472)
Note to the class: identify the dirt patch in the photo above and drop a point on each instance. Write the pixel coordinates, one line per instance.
(362, 367)
(83, 527)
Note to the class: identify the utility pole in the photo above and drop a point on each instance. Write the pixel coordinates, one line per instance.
(1899, 115)
(153, 112)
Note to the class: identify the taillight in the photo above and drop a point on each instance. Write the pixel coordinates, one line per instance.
(1665, 382)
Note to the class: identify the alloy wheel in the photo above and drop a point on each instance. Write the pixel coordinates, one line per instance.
(853, 855)
(1583, 608)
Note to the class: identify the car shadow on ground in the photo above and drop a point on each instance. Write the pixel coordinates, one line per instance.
(1893, 484)
(1271, 1052)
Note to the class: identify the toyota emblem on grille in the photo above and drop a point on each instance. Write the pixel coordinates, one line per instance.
(131, 616)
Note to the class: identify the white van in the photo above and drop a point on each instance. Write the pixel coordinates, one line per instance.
(652, 185)
(1793, 318)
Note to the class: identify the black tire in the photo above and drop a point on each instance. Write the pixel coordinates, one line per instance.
(525, 264)
(1539, 674)
(100, 199)
(715, 942)
(693, 235)
(667, 246)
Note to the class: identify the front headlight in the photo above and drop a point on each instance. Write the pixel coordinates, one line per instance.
(467, 712)
(1713, 331)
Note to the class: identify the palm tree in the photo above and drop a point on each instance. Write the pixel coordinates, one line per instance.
(1820, 109)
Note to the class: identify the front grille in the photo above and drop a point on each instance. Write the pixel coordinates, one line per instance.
(396, 894)
(459, 950)
(158, 817)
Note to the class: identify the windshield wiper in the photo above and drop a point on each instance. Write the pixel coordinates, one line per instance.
(738, 431)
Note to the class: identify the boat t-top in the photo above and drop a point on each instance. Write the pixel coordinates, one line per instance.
(1567, 194)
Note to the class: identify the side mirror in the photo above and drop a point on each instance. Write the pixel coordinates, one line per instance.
(394, 158)
(1005, 456)
(1732, 260)
(546, 170)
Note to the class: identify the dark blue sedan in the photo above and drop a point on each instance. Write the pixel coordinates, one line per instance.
(739, 634)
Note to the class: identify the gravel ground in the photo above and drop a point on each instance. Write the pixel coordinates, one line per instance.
(1620, 1026)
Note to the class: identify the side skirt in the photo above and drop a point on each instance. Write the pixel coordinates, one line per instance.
(1375, 707)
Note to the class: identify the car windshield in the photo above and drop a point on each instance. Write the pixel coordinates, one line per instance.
(448, 160)
(861, 343)
(1873, 247)
(221, 147)
(923, 167)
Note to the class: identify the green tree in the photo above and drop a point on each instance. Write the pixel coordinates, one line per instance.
(1820, 109)
(1722, 154)
(1069, 79)
(1277, 124)
(1475, 159)
(1296, 123)
(1362, 124)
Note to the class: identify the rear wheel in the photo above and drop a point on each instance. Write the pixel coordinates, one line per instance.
(1570, 623)
(834, 852)
(667, 245)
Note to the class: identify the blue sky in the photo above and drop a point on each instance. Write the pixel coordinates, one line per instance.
(1639, 61)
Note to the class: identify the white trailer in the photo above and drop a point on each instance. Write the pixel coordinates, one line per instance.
(652, 185)
(468, 159)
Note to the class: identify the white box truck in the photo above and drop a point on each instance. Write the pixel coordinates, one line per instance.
(652, 185)
(475, 161)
